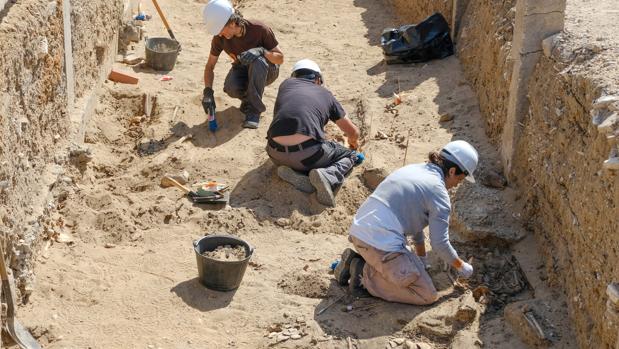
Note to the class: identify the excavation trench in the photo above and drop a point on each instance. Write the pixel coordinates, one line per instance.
(129, 256)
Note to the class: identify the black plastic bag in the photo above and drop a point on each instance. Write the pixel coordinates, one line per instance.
(416, 43)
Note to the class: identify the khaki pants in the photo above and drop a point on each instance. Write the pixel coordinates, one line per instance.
(395, 276)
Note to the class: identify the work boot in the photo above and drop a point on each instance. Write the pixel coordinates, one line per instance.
(342, 270)
(324, 193)
(298, 180)
(356, 272)
(251, 121)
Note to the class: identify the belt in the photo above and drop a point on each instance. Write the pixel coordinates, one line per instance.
(293, 148)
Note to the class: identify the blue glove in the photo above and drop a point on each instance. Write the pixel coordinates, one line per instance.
(359, 158)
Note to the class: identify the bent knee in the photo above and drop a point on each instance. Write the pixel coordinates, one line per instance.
(234, 92)
(431, 298)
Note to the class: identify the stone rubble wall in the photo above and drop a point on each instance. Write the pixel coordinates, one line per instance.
(572, 200)
(34, 119)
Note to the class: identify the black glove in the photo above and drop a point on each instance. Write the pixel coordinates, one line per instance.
(245, 58)
(208, 101)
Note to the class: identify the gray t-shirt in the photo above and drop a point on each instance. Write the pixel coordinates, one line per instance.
(417, 197)
(305, 108)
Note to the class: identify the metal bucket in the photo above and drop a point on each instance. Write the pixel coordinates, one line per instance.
(161, 53)
(217, 274)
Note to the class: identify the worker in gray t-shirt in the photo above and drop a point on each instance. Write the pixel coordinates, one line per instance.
(296, 136)
(407, 201)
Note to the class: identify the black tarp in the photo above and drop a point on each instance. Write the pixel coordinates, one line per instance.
(416, 43)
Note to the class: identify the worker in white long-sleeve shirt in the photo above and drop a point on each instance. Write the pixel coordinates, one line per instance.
(407, 201)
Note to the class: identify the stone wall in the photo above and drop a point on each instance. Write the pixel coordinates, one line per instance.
(484, 47)
(572, 200)
(94, 25)
(34, 121)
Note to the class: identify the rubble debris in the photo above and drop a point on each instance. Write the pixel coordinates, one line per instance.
(605, 101)
(416, 345)
(381, 135)
(132, 59)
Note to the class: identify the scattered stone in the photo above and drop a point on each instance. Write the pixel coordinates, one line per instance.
(399, 341)
(493, 179)
(132, 59)
(181, 178)
(416, 345)
(4, 185)
(283, 222)
(613, 294)
(604, 101)
(549, 44)
(372, 177)
(282, 337)
(381, 135)
(466, 340)
(612, 164)
(446, 117)
(295, 336)
(609, 124)
(109, 245)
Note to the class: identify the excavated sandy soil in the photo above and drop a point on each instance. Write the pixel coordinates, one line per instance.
(126, 277)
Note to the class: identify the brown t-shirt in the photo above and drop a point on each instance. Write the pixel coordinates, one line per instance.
(257, 34)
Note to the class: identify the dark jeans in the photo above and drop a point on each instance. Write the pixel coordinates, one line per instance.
(247, 83)
(334, 160)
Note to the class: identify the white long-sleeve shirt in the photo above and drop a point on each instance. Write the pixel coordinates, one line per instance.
(408, 200)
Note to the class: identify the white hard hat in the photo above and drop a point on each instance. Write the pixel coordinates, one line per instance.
(464, 155)
(306, 64)
(216, 14)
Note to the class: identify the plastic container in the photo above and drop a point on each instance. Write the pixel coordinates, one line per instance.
(161, 53)
(218, 274)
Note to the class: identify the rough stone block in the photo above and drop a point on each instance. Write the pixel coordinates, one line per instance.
(545, 6)
(612, 291)
(549, 44)
(609, 124)
(537, 28)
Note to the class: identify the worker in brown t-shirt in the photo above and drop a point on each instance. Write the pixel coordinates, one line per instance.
(256, 58)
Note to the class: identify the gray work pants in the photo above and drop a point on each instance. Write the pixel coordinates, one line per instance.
(247, 83)
(334, 160)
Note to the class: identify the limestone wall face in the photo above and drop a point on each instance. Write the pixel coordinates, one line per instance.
(94, 25)
(572, 201)
(32, 112)
(484, 46)
(34, 121)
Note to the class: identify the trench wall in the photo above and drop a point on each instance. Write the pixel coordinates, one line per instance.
(572, 202)
(35, 122)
